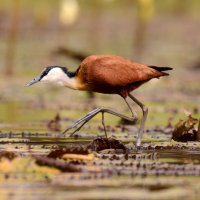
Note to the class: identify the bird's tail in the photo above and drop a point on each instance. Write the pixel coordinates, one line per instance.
(161, 69)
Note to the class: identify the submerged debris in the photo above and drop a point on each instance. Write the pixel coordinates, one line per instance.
(169, 125)
(54, 125)
(8, 155)
(101, 143)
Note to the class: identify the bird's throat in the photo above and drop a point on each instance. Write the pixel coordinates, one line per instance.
(72, 82)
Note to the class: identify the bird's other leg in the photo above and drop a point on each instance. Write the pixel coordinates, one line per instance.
(104, 124)
(130, 107)
(91, 114)
(145, 112)
(105, 129)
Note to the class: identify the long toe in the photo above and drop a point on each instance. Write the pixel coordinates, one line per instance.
(67, 130)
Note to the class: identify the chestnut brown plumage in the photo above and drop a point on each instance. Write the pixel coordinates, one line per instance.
(106, 74)
(114, 74)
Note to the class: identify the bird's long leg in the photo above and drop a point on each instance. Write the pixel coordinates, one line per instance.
(91, 114)
(145, 112)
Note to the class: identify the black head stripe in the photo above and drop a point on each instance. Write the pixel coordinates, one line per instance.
(70, 74)
(45, 72)
(64, 69)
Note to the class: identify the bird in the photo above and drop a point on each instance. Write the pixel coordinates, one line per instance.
(107, 74)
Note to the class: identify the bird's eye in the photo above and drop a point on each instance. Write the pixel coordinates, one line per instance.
(45, 73)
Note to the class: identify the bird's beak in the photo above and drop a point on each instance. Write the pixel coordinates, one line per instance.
(35, 80)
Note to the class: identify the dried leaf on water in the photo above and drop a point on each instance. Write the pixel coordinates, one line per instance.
(186, 112)
(181, 130)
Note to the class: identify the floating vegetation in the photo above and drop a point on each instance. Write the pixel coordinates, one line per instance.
(112, 164)
(161, 167)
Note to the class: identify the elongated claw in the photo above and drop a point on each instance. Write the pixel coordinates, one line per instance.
(81, 126)
(85, 118)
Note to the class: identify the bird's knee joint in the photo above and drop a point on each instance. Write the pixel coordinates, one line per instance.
(145, 109)
(103, 108)
(135, 117)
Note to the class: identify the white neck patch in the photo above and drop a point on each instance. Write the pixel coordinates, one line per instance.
(57, 77)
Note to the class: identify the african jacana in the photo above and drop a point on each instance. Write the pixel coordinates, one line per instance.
(107, 74)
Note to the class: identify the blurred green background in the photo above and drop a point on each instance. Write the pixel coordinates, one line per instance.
(38, 33)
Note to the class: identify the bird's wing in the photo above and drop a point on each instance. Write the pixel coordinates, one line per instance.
(119, 71)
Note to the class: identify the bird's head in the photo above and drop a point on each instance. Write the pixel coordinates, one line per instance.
(55, 75)
(52, 75)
